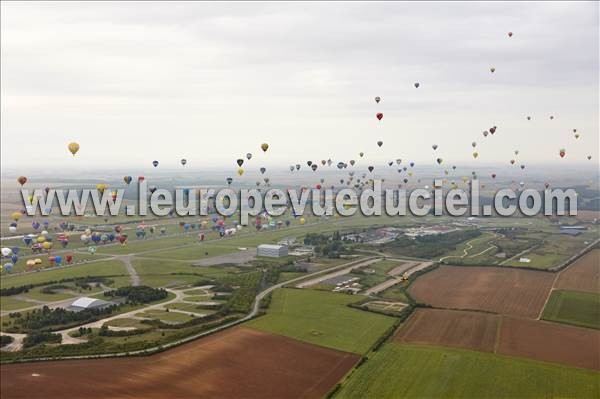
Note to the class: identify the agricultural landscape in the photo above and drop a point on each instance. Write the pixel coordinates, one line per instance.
(286, 200)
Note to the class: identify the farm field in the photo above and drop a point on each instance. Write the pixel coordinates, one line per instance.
(499, 290)
(322, 318)
(550, 342)
(555, 249)
(262, 365)
(407, 371)
(583, 275)
(450, 328)
(572, 307)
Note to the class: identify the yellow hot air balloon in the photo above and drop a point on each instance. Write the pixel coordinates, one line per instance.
(101, 187)
(302, 221)
(16, 216)
(475, 154)
(47, 245)
(240, 171)
(73, 148)
(37, 261)
(264, 147)
(41, 239)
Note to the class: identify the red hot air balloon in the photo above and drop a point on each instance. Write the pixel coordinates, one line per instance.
(379, 116)
(22, 180)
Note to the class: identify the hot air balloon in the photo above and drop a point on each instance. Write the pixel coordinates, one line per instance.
(22, 180)
(439, 161)
(589, 157)
(371, 168)
(379, 116)
(155, 163)
(361, 154)
(516, 152)
(473, 144)
(493, 130)
(380, 143)
(183, 161)
(248, 156)
(314, 167)
(240, 162)
(492, 69)
(562, 152)
(493, 175)
(377, 99)
(512, 161)
(16, 216)
(551, 117)
(529, 118)
(127, 179)
(263, 170)
(73, 148)
(417, 84)
(101, 187)
(485, 133)
(576, 135)
(264, 147)
(475, 154)
(141, 178)
(546, 185)
(435, 146)
(510, 34)
(229, 180)
(522, 166)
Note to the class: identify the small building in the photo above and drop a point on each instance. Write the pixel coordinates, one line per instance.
(289, 241)
(272, 251)
(84, 303)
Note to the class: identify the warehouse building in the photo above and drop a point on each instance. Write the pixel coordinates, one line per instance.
(88, 303)
(272, 251)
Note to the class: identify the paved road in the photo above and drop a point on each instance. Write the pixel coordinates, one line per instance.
(135, 278)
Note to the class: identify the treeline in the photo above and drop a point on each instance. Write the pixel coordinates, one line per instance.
(39, 337)
(46, 319)
(82, 282)
(325, 245)
(5, 340)
(430, 246)
(138, 294)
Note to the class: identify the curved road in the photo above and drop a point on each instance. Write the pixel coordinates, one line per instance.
(253, 312)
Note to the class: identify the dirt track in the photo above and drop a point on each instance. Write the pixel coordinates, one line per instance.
(452, 328)
(238, 362)
(499, 290)
(550, 342)
(583, 275)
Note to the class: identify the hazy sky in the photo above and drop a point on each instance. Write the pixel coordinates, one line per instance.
(133, 82)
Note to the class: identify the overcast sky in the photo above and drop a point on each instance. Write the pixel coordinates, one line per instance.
(133, 82)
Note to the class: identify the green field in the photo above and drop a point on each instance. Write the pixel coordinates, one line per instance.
(100, 268)
(404, 371)
(572, 307)
(322, 318)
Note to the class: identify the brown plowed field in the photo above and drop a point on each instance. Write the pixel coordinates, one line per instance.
(557, 343)
(583, 275)
(499, 290)
(236, 363)
(453, 328)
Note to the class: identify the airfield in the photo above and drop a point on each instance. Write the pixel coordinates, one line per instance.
(382, 320)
